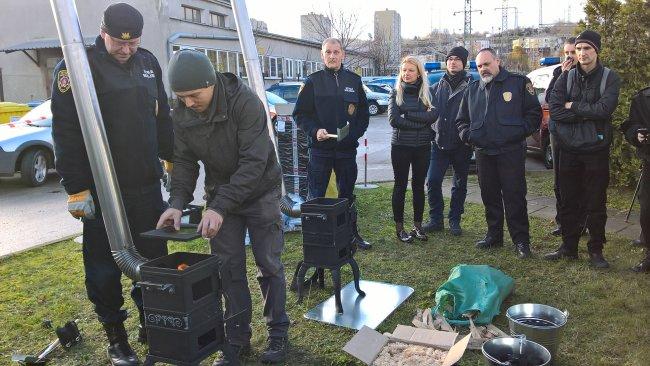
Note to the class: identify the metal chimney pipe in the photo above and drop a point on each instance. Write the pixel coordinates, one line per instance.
(92, 127)
(256, 81)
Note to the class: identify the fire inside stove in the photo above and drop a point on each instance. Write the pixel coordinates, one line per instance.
(182, 304)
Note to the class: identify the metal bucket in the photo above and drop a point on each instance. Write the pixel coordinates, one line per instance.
(517, 351)
(539, 323)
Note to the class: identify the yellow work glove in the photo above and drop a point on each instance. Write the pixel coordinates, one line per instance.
(168, 165)
(81, 205)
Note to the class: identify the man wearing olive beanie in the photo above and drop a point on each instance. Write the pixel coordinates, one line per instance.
(222, 123)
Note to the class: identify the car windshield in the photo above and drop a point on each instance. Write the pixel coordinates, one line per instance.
(274, 99)
(40, 116)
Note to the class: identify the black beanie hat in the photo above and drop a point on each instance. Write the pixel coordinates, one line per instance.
(590, 37)
(459, 52)
(190, 70)
(122, 21)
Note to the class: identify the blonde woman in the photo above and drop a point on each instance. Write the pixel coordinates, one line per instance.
(411, 114)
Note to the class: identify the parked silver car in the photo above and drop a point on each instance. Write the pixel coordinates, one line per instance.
(26, 146)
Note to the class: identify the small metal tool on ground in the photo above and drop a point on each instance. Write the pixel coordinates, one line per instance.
(67, 336)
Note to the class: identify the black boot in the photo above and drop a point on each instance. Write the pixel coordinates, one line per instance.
(557, 231)
(276, 350)
(644, 265)
(523, 250)
(597, 260)
(489, 241)
(232, 355)
(356, 237)
(119, 350)
(562, 252)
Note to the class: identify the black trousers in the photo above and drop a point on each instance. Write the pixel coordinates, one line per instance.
(143, 209)
(502, 179)
(556, 179)
(583, 183)
(644, 200)
(263, 220)
(403, 157)
(319, 170)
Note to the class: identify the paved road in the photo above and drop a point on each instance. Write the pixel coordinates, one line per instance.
(31, 217)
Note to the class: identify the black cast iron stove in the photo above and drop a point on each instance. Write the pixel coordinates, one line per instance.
(182, 305)
(326, 235)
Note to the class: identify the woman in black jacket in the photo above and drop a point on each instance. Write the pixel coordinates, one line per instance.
(410, 113)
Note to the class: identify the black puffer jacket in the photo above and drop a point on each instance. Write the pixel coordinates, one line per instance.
(411, 121)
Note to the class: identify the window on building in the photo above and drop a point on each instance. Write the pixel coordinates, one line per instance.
(297, 69)
(273, 70)
(232, 62)
(191, 14)
(289, 69)
(242, 66)
(222, 61)
(212, 55)
(280, 68)
(217, 20)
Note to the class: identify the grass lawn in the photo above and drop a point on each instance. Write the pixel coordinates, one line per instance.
(618, 198)
(608, 323)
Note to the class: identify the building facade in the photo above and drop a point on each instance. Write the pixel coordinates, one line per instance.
(388, 26)
(28, 54)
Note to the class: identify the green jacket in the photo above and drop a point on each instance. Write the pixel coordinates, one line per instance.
(232, 141)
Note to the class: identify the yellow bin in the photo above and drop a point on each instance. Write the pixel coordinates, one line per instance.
(10, 112)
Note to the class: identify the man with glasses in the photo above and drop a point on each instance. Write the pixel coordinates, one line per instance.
(136, 117)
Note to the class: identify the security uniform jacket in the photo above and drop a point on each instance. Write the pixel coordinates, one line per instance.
(447, 103)
(587, 104)
(136, 117)
(232, 140)
(411, 121)
(639, 118)
(329, 99)
(498, 116)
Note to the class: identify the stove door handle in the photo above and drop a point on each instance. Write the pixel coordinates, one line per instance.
(321, 217)
(162, 287)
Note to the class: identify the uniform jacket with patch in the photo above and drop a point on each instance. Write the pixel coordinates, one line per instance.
(232, 140)
(329, 99)
(136, 117)
(498, 116)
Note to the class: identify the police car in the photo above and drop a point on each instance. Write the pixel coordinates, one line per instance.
(26, 146)
(540, 141)
(377, 102)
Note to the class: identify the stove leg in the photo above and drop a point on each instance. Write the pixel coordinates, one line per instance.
(321, 277)
(357, 276)
(301, 280)
(148, 362)
(336, 278)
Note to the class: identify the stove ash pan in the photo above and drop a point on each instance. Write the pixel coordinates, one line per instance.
(182, 305)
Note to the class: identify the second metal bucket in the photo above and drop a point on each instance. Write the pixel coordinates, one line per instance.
(539, 323)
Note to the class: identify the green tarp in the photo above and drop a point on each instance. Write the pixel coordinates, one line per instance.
(472, 289)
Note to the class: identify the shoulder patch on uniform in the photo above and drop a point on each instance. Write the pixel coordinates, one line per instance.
(63, 81)
(529, 88)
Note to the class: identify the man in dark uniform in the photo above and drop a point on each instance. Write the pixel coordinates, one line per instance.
(581, 105)
(330, 99)
(636, 129)
(222, 123)
(135, 111)
(447, 149)
(496, 115)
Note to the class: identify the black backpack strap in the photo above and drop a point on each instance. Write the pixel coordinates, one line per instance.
(603, 80)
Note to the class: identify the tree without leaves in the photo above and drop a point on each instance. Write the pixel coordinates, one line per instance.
(379, 51)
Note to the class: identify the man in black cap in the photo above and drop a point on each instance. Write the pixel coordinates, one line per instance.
(496, 115)
(581, 105)
(222, 123)
(136, 116)
(446, 147)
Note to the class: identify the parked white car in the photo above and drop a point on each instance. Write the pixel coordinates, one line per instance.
(26, 146)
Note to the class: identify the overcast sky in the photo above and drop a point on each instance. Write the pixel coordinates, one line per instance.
(418, 16)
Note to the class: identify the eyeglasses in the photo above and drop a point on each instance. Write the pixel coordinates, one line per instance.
(131, 45)
(454, 58)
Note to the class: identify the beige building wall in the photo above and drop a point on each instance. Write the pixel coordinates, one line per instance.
(164, 20)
